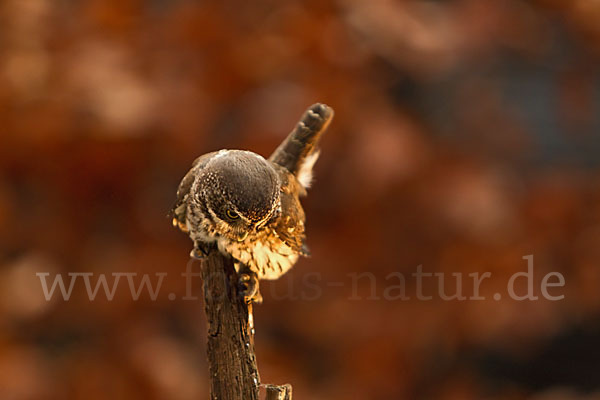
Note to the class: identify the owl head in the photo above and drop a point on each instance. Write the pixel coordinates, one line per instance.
(238, 192)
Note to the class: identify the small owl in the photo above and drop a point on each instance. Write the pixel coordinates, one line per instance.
(249, 207)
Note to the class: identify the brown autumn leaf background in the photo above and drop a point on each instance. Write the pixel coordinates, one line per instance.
(466, 137)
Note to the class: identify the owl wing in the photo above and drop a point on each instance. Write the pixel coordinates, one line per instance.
(290, 226)
(179, 209)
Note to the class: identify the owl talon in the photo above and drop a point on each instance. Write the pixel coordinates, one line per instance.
(248, 287)
(200, 251)
(197, 254)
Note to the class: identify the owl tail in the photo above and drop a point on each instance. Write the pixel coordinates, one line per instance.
(299, 152)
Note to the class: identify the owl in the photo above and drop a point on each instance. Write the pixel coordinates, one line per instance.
(249, 207)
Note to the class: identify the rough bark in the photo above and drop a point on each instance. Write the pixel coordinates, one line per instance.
(231, 358)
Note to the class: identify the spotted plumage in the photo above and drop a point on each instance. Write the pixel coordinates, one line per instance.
(249, 207)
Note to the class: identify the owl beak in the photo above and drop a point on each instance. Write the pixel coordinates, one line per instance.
(242, 236)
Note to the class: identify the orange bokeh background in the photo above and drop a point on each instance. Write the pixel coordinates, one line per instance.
(465, 137)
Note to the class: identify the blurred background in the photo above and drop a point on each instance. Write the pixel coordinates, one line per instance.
(466, 136)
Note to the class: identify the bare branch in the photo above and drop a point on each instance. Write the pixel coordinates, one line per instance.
(230, 350)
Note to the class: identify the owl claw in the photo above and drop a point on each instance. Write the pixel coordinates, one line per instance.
(197, 254)
(201, 250)
(248, 287)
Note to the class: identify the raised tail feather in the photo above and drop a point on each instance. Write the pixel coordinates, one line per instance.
(299, 151)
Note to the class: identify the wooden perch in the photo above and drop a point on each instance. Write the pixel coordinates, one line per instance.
(231, 359)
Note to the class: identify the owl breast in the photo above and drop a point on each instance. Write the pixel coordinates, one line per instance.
(264, 253)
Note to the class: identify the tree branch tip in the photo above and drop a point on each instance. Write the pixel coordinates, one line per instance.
(279, 392)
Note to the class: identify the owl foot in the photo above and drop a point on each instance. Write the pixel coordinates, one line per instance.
(197, 254)
(200, 251)
(248, 287)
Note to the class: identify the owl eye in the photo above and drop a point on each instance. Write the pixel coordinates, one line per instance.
(232, 214)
